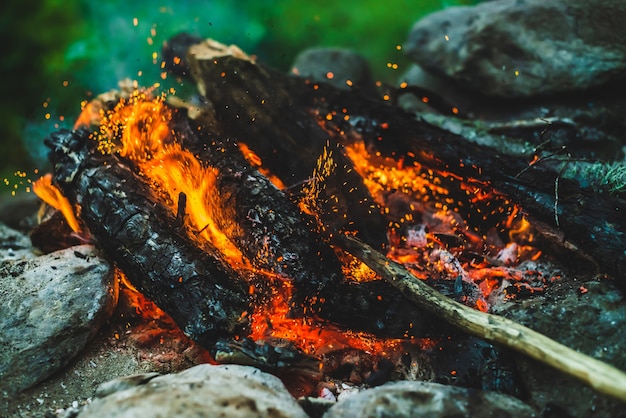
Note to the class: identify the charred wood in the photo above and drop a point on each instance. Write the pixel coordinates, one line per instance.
(201, 293)
(256, 106)
(268, 228)
(276, 110)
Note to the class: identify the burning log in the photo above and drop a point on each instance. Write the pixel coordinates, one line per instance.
(194, 287)
(259, 219)
(261, 246)
(597, 374)
(272, 112)
(260, 113)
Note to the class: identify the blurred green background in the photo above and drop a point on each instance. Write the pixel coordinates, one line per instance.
(58, 52)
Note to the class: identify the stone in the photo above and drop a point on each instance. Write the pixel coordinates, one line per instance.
(586, 315)
(52, 306)
(14, 245)
(19, 211)
(522, 48)
(427, 399)
(201, 391)
(342, 68)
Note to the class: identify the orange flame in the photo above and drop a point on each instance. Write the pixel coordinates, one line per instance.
(50, 194)
(141, 125)
(313, 336)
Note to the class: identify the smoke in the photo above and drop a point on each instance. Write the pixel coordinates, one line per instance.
(124, 39)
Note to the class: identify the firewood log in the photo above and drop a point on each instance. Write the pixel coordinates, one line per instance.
(259, 112)
(254, 101)
(199, 291)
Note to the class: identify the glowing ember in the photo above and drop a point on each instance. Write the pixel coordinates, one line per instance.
(431, 238)
(312, 336)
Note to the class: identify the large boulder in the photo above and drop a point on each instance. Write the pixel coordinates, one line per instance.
(52, 306)
(427, 399)
(522, 48)
(586, 315)
(202, 391)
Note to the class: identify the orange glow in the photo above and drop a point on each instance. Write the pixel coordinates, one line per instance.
(380, 173)
(312, 336)
(256, 162)
(91, 114)
(50, 194)
(434, 245)
(138, 128)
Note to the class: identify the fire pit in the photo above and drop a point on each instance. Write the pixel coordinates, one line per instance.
(296, 228)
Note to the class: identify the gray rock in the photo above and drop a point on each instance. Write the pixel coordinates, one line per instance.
(346, 68)
(521, 48)
(427, 399)
(14, 245)
(588, 316)
(19, 211)
(52, 306)
(202, 391)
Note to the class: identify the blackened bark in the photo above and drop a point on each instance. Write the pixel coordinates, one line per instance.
(201, 293)
(259, 111)
(258, 102)
(262, 222)
(206, 297)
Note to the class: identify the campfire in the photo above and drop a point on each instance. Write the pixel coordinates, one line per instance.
(282, 223)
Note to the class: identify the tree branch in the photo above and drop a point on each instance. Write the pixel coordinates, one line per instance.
(604, 378)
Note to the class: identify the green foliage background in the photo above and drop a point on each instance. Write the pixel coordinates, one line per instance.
(92, 44)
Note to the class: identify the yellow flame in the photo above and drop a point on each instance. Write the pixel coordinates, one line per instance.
(522, 231)
(50, 194)
(139, 129)
(310, 202)
(175, 170)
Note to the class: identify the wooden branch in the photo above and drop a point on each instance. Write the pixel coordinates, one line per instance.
(604, 378)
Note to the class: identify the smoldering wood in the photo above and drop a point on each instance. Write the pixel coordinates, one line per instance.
(199, 291)
(262, 222)
(205, 296)
(595, 373)
(276, 236)
(257, 102)
(260, 112)
(569, 216)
